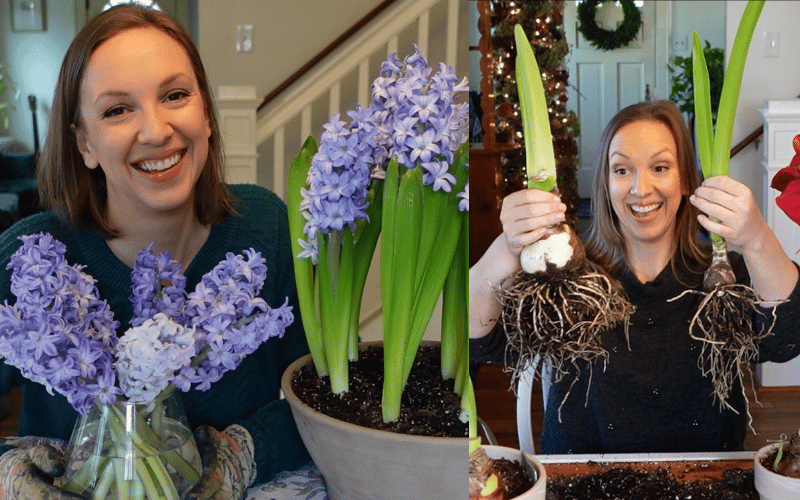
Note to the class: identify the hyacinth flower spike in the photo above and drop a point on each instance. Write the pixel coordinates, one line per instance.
(724, 321)
(554, 308)
(333, 252)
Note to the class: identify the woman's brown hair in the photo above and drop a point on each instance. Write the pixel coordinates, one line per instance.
(605, 244)
(77, 193)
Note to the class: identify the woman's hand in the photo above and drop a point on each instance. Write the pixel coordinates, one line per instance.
(772, 274)
(28, 469)
(228, 466)
(526, 215)
(739, 220)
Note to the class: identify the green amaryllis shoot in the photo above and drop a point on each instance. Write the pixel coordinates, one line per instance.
(724, 319)
(555, 307)
(787, 460)
(485, 483)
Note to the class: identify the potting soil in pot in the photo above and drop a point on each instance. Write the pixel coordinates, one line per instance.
(515, 478)
(429, 405)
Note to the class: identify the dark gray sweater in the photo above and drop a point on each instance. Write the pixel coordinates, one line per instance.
(651, 397)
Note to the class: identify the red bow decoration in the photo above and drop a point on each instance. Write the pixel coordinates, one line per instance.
(787, 181)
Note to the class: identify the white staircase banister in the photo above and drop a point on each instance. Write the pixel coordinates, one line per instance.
(321, 78)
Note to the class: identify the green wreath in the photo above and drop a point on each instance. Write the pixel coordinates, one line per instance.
(606, 39)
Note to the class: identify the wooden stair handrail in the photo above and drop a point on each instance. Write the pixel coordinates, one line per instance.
(747, 140)
(755, 134)
(325, 52)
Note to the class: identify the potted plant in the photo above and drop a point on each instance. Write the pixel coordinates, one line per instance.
(535, 469)
(399, 169)
(133, 439)
(776, 469)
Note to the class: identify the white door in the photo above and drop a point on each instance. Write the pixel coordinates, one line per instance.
(603, 82)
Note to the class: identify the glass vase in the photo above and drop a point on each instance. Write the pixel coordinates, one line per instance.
(133, 451)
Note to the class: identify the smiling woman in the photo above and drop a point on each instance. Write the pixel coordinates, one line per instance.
(648, 394)
(133, 160)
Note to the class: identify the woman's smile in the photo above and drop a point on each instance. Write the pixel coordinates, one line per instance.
(159, 165)
(644, 211)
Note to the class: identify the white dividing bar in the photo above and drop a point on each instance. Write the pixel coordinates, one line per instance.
(364, 93)
(423, 28)
(452, 33)
(279, 172)
(334, 100)
(305, 123)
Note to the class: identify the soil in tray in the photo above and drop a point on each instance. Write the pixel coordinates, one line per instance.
(623, 483)
(429, 406)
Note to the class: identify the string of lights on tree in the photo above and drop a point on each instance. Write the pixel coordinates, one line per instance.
(543, 21)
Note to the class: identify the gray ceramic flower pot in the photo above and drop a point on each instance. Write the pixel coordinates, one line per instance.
(366, 464)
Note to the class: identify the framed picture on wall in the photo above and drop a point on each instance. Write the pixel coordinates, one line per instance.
(27, 15)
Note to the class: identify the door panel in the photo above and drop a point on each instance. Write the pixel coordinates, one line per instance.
(590, 110)
(606, 81)
(630, 84)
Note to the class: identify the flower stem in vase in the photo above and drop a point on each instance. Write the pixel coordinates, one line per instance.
(104, 484)
(155, 417)
(133, 463)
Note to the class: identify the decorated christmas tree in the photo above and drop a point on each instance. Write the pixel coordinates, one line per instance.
(543, 21)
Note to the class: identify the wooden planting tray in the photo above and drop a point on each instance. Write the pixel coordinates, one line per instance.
(683, 466)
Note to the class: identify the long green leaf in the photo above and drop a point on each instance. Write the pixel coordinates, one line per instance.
(366, 241)
(539, 156)
(454, 308)
(390, 186)
(730, 88)
(438, 263)
(408, 224)
(335, 336)
(303, 268)
(702, 105)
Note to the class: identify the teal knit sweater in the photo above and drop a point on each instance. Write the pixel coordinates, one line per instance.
(247, 395)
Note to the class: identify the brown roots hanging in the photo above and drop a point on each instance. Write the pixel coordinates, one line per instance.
(558, 315)
(724, 323)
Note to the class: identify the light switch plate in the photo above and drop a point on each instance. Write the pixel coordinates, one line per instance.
(772, 43)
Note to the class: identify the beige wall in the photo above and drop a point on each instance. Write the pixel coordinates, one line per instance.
(286, 34)
(764, 78)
